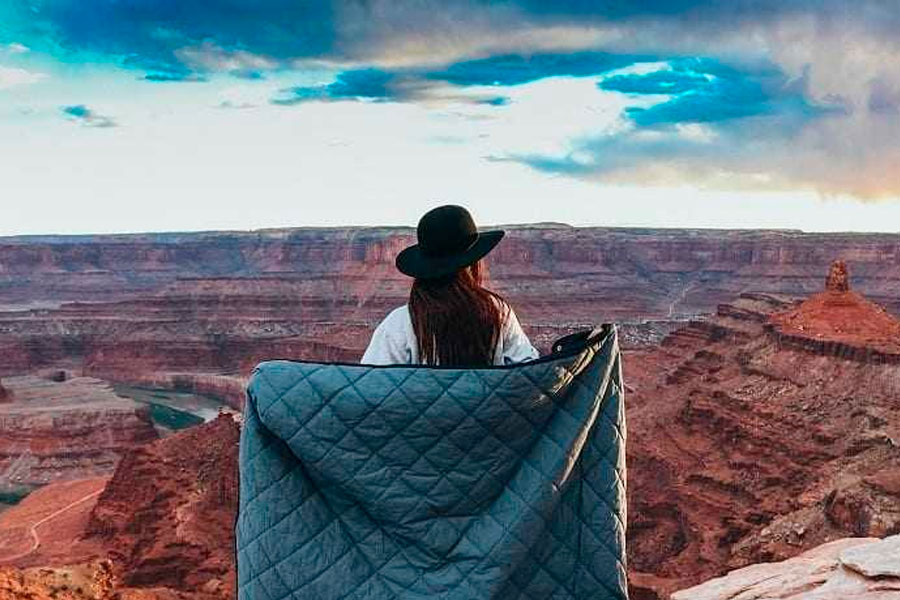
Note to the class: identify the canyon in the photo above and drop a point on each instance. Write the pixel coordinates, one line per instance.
(743, 448)
(761, 408)
(748, 444)
(55, 429)
(130, 306)
(160, 528)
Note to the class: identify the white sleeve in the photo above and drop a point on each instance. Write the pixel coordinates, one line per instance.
(387, 346)
(516, 345)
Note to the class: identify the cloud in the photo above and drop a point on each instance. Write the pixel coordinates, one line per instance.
(713, 124)
(169, 76)
(363, 84)
(495, 101)
(197, 36)
(804, 92)
(17, 48)
(11, 77)
(884, 98)
(657, 82)
(377, 85)
(515, 69)
(210, 35)
(231, 104)
(707, 91)
(410, 84)
(86, 116)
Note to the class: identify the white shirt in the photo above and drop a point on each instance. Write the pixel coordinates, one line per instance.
(394, 341)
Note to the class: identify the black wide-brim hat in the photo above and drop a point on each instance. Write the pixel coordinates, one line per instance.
(447, 241)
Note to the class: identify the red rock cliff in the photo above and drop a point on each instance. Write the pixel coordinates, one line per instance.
(643, 272)
(216, 303)
(54, 431)
(167, 515)
(744, 449)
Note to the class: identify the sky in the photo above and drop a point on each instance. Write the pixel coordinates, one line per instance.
(180, 115)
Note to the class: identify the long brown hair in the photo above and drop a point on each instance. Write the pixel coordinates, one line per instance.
(457, 320)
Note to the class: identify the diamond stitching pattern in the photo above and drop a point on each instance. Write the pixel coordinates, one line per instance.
(362, 482)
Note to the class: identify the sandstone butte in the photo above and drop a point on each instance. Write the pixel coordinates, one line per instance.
(748, 442)
(749, 445)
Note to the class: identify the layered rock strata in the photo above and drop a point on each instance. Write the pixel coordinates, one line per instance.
(54, 431)
(128, 307)
(576, 271)
(166, 518)
(744, 449)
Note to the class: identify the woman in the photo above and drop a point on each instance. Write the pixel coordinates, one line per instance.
(451, 319)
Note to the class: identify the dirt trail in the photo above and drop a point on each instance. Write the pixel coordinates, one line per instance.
(35, 539)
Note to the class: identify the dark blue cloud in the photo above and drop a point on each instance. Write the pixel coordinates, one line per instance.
(709, 91)
(86, 116)
(514, 69)
(362, 84)
(701, 90)
(149, 33)
(168, 76)
(250, 74)
(658, 82)
(409, 84)
(495, 101)
(366, 83)
(79, 111)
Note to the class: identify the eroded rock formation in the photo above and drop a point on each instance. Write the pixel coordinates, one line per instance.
(646, 272)
(755, 434)
(54, 431)
(746, 449)
(853, 568)
(840, 321)
(134, 307)
(166, 518)
(838, 279)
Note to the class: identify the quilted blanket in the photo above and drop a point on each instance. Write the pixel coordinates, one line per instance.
(414, 482)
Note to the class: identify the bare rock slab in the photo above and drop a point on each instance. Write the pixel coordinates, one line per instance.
(848, 569)
(878, 560)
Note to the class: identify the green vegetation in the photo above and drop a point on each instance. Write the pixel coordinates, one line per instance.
(13, 495)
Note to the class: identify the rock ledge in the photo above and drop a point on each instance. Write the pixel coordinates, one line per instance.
(848, 569)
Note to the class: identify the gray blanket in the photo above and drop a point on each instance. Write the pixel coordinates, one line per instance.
(413, 482)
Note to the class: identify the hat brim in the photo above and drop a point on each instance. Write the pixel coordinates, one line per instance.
(412, 262)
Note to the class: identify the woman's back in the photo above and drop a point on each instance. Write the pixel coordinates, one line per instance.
(394, 341)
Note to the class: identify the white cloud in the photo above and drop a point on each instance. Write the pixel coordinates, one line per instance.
(209, 56)
(17, 48)
(12, 77)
